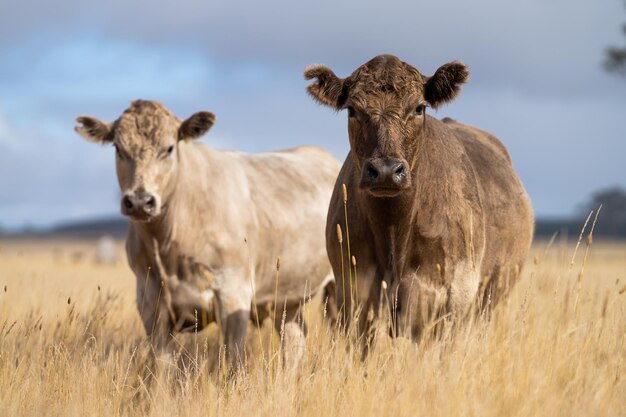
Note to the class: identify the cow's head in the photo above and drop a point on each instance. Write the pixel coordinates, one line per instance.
(146, 138)
(386, 100)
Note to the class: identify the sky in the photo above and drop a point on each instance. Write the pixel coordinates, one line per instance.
(537, 82)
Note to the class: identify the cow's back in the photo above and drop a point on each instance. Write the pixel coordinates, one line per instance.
(290, 191)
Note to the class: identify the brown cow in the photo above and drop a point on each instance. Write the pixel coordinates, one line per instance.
(209, 224)
(434, 208)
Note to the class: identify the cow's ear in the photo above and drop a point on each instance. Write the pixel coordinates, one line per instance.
(445, 84)
(94, 130)
(327, 88)
(197, 125)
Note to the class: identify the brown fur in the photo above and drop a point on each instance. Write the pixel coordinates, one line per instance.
(462, 224)
(220, 222)
(444, 85)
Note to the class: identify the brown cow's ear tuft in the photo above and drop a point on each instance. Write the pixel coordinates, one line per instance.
(196, 126)
(94, 130)
(445, 84)
(327, 89)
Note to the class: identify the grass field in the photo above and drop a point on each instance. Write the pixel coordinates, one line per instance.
(71, 344)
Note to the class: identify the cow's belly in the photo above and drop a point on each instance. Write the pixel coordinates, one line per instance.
(293, 284)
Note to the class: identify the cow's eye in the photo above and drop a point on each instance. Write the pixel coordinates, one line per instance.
(351, 112)
(167, 152)
(419, 110)
(118, 153)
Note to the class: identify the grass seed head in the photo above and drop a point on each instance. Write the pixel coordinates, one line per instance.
(345, 192)
(339, 235)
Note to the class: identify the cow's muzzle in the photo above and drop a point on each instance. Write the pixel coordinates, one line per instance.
(140, 205)
(385, 177)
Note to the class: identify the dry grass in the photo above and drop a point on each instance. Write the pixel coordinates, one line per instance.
(556, 347)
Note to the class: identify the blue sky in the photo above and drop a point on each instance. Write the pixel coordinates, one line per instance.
(536, 82)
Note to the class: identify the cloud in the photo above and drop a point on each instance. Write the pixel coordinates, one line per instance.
(38, 73)
(542, 46)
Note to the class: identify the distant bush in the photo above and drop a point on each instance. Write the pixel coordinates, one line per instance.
(612, 216)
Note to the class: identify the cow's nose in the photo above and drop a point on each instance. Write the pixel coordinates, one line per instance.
(398, 173)
(385, 173)
(149, 202)
(127, 203)
(372, 171)
(139, 204)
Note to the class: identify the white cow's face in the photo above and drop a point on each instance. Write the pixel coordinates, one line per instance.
(146, 138)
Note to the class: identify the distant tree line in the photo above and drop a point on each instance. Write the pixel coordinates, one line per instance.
(611, 221)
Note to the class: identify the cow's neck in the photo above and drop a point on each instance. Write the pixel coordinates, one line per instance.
(159, 230)
(391, 221)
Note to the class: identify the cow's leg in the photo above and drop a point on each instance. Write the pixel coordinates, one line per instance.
(418, 301)
(235, 329)
(366, 310)
(154, 314)
(463, 289)
(158, 327)
(364, 284)
(343, 301)
(329, 303)
(234, 314)
(292, 330)
(357, 297)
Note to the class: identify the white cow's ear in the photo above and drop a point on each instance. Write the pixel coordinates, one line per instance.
(327, 88)
(197, 125)
(445, 83)
(94, 130)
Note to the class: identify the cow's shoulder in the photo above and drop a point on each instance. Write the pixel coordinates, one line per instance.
(475, 139)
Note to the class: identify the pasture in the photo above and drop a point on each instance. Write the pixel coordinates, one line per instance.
(71, 344)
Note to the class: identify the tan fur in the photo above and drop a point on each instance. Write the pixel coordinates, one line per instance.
(461, 215)
(223, 219)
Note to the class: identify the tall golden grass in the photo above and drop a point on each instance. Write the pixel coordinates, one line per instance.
(71, 344)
